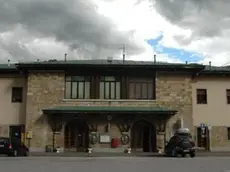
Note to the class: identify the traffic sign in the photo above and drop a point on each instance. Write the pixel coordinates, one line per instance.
(202, 125)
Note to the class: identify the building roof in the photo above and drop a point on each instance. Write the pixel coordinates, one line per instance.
(8, 68)
(113, 64)
(54, 64)
(216, 70)
(107, 62)
(106, 109)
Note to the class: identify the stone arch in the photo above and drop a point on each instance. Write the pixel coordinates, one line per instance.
(76, 135)
(143, 136)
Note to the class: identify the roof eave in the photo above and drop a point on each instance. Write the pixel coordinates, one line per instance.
(57, 66)
(10, 70)
(215, 73)
(50, 112)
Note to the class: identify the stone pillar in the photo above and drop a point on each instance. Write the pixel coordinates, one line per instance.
(161, 134)
(160, 141)
(60, 141)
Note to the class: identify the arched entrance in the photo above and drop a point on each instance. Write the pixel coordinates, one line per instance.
(77, 136)
(143, 136)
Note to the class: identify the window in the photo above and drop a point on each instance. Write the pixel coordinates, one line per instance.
(201, 96)
(228, 96)
(228, 132)
(109, 87)
(141, 88)
(3, 141)
(77, 87)
(17, 93)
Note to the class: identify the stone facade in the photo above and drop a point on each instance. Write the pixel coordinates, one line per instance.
(46, 90)
(43, 90)
(176, 92)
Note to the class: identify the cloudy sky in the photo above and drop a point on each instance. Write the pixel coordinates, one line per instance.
(175, 30)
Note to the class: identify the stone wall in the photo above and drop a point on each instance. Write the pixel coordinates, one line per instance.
(46, 90)
(176, 92)
(106, 147)
(43, 90)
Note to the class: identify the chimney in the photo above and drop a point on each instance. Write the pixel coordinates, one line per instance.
(65, 57)
(210, 65)
(123, 55)
(155, 58)
(8, 62)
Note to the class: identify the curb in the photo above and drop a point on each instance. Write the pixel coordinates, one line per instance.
(199, 154)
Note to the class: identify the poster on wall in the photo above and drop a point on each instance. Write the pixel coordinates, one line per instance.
(104, 138)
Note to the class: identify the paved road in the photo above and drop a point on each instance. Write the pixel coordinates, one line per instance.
(115, 164)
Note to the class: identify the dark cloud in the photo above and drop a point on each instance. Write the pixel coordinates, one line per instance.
(75, 23)
(206, 18)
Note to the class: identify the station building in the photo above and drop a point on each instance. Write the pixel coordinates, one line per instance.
(113, 105)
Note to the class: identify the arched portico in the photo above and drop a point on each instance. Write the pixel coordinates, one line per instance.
(76, 136)
(143, 136)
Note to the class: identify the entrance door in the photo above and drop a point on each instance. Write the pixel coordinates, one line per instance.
(77, 136)
(143, 137)
(17, 131)
(203, 138)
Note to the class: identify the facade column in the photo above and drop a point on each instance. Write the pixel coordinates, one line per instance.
(160, 141)
(161, 134)
(57, 126)
(59, 140)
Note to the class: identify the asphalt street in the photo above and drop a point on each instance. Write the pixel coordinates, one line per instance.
(114, 164)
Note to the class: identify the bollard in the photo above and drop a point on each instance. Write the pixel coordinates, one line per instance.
(89, 151)
(58, 150)
(129, 151)
(160, 152)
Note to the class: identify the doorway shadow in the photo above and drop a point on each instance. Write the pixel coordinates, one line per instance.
(76, 136)
(143, 136)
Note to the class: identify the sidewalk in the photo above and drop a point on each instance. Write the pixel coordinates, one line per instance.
(105, 154)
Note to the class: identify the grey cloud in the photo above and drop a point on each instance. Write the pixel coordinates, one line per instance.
(206, 18)
(17, 51)
(73, 22)
(183, 40)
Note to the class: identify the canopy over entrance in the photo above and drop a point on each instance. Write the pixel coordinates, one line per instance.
(108, 109)
(124, 117)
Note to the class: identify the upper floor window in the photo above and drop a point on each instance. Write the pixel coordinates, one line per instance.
(109, 87)
(77, 87)
(201, 96)
(141, 88)
(17, 94)
(228, 96)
